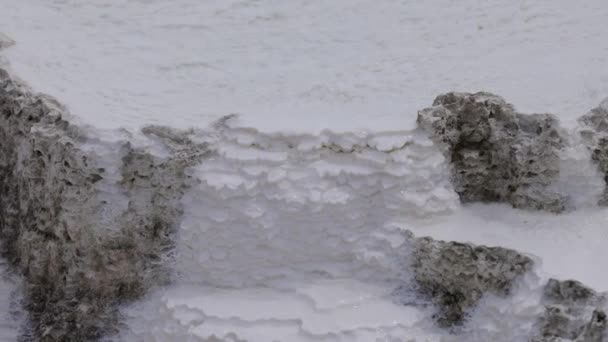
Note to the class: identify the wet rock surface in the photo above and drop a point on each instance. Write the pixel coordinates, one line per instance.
(456, 275)
(84, 237)
(497, 154)
(573, 312)
(595, 134)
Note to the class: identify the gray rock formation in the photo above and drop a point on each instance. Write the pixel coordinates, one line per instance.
(595, 134)
(84, 237)
(456, 275)
(5, 41)
(497, 154)
(573, 313)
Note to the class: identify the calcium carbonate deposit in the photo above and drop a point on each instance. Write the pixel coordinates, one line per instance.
(12, 320)
(264, 170)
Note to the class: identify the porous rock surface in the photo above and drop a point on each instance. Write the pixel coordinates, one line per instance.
(85, 238)
(456, 275)
(497, 154)
(595, 134)
(573, 312)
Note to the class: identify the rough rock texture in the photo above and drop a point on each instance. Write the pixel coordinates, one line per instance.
(85, 238)
(595, 134)
(456, 275)
(573, 313)
(497, 154)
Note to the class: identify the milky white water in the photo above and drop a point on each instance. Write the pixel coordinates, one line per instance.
(295, 232)
(300, 238)
(305, 65)
(11, 315)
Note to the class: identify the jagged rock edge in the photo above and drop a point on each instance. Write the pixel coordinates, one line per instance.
(497, 154)
(54, 215)
(454, 276)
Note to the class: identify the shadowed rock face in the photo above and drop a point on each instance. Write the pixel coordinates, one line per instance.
(573, 313)
(497, 154)
(456, 275)
(84, 238)
(595, 134)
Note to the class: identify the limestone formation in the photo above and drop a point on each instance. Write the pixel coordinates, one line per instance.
(497, 154)
(573, 313)
(89, 232)
(85, 235)
(456, 275)
(595, 134)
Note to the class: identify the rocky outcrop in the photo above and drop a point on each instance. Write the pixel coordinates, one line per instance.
(595, 134)
(456, 275)
(497, 154)
(85, 235)
(573, 313)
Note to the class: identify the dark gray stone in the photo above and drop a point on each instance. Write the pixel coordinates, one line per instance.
(497, 154)
(456, 275)
(595, 134)
(85, 239)
(573, 312)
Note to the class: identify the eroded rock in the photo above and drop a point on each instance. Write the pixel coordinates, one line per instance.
(573, 312)
(497, 154)
(595, 134)
(456, 275)
(85, 238)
